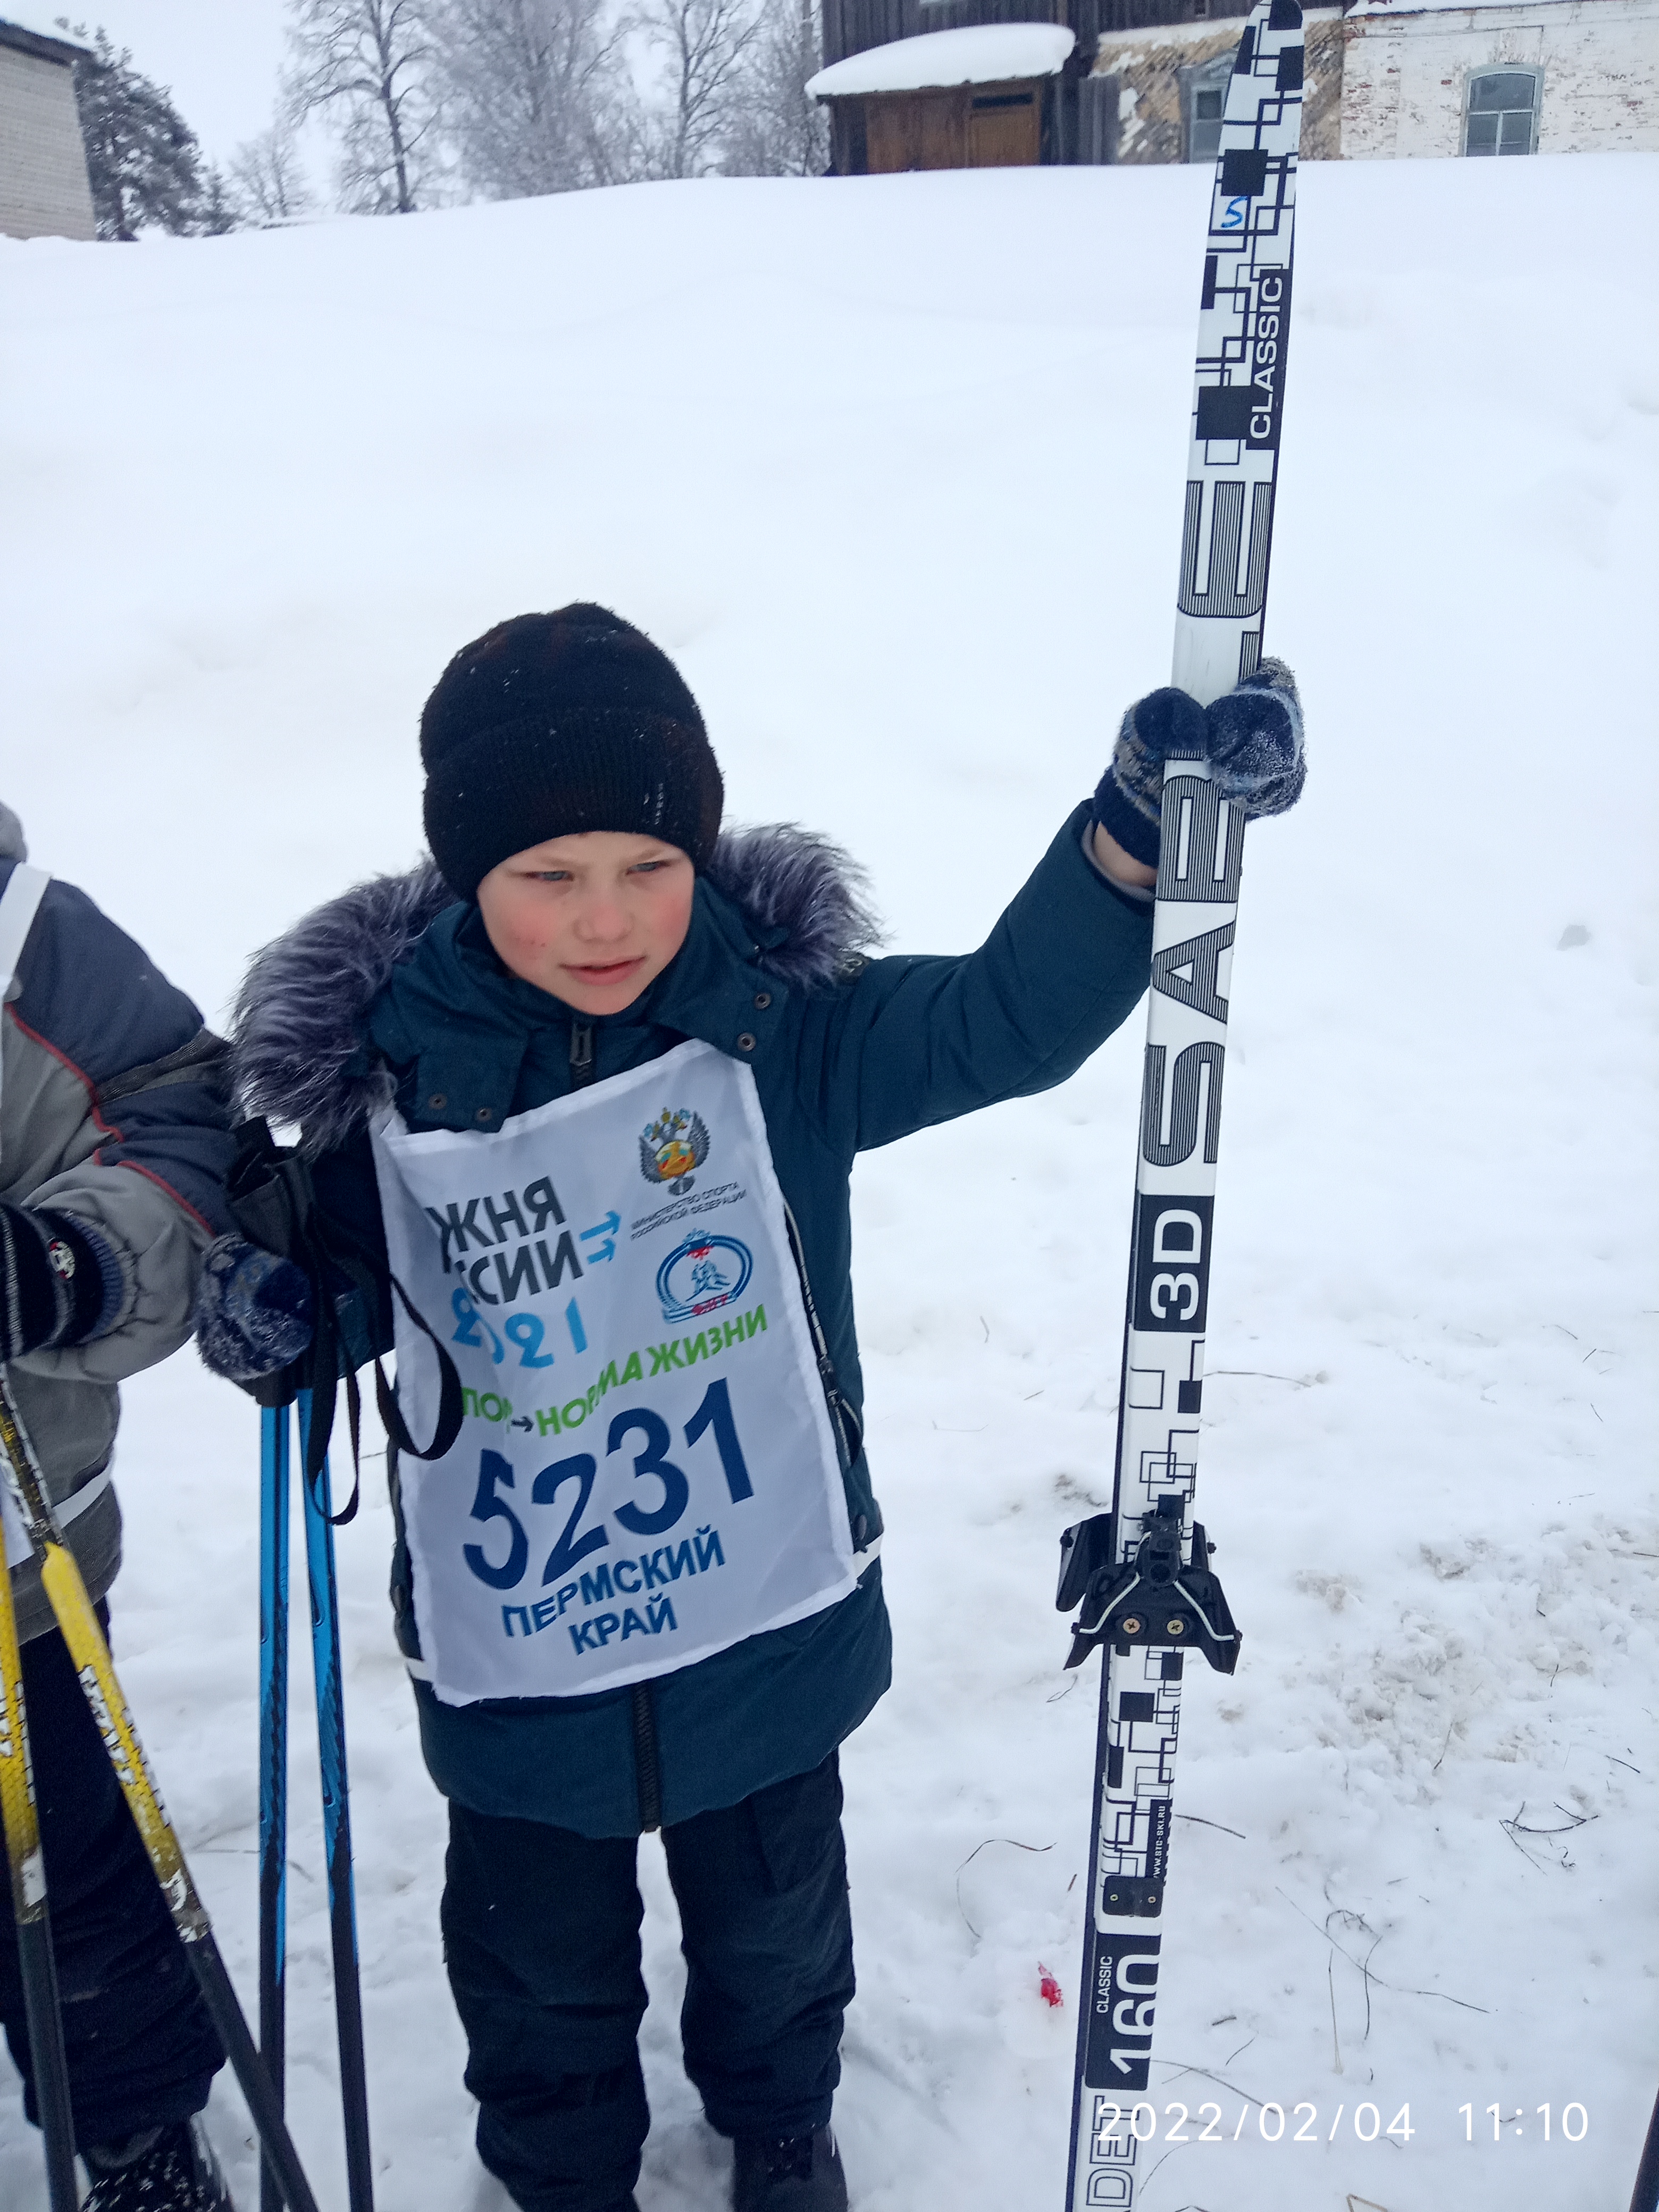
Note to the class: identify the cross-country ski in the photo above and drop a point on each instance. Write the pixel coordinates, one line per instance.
(619, 926)
(1141, 1575)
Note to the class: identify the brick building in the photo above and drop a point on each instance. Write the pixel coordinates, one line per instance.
(1143, 80)
(44, 190)
(1544, 76)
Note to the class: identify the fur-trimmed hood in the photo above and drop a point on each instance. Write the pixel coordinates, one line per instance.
(297, 1034)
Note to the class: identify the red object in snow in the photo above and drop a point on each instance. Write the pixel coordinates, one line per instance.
(1047, 1987)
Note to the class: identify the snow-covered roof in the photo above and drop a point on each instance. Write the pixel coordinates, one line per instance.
(990, 53)
(40, 23)
(1442, 7)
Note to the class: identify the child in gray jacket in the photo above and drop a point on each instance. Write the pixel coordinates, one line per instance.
(113, 1146)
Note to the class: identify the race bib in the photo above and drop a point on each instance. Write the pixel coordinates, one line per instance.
(646, 1472)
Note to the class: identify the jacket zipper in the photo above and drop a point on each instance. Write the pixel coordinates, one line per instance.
(647, 1764)
(848, 1427)
(645, 1758)
(581, 1054)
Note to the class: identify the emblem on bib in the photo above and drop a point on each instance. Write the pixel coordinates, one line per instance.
(671, 1146)
(702, 1274)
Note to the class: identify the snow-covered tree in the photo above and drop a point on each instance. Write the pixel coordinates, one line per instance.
(774, 129)
(266, 178)
(142, 159)
(220, 209)
(536, 94)
(704, 45)
(365, 65)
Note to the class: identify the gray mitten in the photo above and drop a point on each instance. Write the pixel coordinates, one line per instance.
(1251, 736)
(1255, 742)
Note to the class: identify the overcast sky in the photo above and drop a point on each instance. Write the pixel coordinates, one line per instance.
(221, 57)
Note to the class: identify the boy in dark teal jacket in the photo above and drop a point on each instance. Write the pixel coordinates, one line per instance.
(467, 1052)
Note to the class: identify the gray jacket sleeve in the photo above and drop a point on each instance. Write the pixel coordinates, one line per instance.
(114, 1113)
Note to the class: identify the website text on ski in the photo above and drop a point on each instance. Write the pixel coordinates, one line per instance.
(1141, 1575)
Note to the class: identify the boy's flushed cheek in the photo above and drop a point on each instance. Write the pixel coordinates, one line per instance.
(671, 919)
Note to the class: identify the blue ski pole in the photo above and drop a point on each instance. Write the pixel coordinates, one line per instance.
(337, 1824)
(273, 1761)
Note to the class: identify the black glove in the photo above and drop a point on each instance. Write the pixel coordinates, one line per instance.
(55, 1274)
(1251, 736)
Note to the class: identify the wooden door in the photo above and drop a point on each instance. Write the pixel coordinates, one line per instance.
(915, 131)
(944, 136)
(888, 134)
(1005, 128)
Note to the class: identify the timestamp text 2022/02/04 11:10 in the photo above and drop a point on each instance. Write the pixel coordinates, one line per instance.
(1301, 2122)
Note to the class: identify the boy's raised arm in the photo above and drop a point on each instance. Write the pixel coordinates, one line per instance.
(917, 1040)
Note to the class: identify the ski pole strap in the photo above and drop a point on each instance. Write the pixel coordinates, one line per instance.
(325, 1371)
(449, 1399)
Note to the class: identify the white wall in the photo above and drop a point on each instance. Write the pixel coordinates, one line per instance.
(1404, 74)
(43, 192)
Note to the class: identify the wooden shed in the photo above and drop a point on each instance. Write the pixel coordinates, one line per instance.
(979, 97)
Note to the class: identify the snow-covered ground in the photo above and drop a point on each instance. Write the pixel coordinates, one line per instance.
(894, 467)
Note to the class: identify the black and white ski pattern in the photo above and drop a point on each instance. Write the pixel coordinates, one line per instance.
(1238, 396)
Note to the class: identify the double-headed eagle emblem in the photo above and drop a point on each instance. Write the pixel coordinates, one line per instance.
(671, 1146)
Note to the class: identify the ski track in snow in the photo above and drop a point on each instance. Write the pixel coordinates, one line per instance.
(894, 467)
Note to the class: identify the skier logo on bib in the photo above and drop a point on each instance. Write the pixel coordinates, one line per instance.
(671, 1146)
(704, 1273)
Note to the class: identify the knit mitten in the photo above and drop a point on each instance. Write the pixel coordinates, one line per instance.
(57, 1277)
(254, 1312)
(1255, 742)
(1251, 736)
(1129, 796)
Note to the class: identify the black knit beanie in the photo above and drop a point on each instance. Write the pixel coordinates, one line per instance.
(552, 724)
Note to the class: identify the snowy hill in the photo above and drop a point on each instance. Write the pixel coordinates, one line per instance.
(893, 467)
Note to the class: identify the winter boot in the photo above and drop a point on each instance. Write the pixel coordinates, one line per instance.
(794, 2173)
(171, 2169)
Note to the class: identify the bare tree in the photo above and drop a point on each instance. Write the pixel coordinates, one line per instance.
(366, 64)
(536, 93)
(705, 43)
(266, 179)
(775, 129)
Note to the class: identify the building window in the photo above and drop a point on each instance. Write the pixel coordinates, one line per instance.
(1203, 101)
(1503, 111)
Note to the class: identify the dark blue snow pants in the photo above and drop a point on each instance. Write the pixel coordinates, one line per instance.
(542, 1939)
(142, 2050)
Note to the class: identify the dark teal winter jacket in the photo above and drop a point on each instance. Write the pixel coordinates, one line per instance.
(847, 1052)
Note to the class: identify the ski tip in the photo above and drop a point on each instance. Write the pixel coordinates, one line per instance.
(1284, 15)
